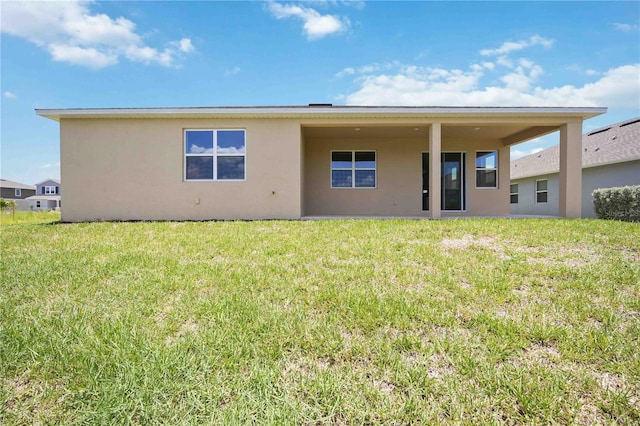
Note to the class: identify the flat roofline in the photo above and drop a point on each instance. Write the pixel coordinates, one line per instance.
(317, 111)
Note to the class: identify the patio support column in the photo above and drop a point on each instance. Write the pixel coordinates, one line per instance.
(570, 201)
(435, 147)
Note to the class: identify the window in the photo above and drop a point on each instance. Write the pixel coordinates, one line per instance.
(486, 169)
(353, 169)
(541, 191)
(38, 204)
(514, 193)
(18, 192)
(50, 190)
(214, 155)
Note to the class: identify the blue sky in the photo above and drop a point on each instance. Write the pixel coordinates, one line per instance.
(143, 54)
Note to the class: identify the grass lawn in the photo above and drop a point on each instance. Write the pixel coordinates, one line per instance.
(320, 322)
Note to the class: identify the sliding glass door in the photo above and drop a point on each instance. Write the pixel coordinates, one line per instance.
(453, 181)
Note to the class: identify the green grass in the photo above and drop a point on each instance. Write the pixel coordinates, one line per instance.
(321, 322)
(34, 217)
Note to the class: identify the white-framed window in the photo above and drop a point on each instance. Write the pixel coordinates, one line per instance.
(18, 192)
(514, 193)
(49, 190)
(214, 154)
(486, 169)
(353, 169)
(38, 205)
(541, 191)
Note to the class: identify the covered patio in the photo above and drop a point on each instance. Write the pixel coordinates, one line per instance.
(452, 165)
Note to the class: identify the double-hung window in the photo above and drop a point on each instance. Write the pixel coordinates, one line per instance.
(214, 154)
(50, 190)
(486, 169)
(514, 193)
(18, 192)
(353, 169)
(541, 191)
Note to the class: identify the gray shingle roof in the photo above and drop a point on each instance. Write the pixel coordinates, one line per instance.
(11, 184)
(617, 143)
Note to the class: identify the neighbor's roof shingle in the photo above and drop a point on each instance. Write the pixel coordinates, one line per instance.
(616, 143)
(11, 184)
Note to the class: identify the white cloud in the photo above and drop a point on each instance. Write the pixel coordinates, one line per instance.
(232, 71)
(186, 46)
(316, 25)
(618, 87)
(71, 33)
(511, 82)
(10, 95)
(517, 153)
(512, 46)
(55, 165)
(626, 27)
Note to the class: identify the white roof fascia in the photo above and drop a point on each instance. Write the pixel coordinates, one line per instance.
(318, 111)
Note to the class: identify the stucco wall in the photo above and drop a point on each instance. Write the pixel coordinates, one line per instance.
(399, 179)
(133, 169)
(607, 176)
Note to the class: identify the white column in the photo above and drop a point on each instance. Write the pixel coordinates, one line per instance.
(435, 185)
(570, 201)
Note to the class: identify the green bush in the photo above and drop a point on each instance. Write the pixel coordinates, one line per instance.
(5, 204)
(622, 203)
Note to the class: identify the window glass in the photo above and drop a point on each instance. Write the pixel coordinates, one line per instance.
(541, 191)
(341, 178)
(199, 142)
(486, 178)
(18, 192)
(353, 169)
(341, 160)
(541, 197)
(514, 193)
(365, 179)
(199, 168)
(365, 160)
(486, 160)
(230, 167)
(541, 185)
(486, 169)
(224, 161)
(230, 142)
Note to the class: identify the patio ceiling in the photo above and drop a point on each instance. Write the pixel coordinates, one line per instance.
(508, 134)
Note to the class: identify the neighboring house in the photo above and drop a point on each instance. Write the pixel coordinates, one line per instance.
(47, 196)
(303, 161)
(18, 192)
(610, 157)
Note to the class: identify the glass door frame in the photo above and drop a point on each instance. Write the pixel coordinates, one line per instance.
(463, 187)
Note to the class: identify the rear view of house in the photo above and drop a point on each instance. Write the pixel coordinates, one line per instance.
(610, 158)
(293, 162)
(48, 196)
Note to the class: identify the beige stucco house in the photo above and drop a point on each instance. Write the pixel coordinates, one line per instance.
(302, 161)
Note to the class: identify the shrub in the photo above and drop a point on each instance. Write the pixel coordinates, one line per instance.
(622, 203)
(5, 204)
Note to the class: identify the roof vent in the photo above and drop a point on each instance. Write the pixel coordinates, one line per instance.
(597, 149)
(630, 122)
(320, 105)
(598, 131)
(614, 137)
